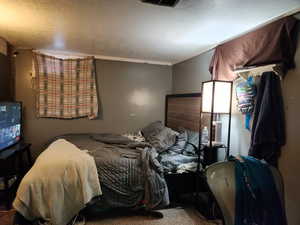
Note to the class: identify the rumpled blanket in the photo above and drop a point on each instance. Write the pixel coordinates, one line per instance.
(129, 172)
(60, 183)
(172, 160)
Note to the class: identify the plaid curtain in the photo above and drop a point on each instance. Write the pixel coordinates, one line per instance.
(66, 88)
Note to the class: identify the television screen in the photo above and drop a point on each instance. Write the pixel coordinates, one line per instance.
(10, 123)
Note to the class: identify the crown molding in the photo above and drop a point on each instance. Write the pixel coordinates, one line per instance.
(67, 54)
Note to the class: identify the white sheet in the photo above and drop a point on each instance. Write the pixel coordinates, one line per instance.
(61, 182)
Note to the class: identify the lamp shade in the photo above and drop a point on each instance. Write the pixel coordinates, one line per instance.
(217, 93)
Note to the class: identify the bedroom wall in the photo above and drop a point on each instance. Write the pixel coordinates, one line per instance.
(6, 72)
(188, 74)
(5, 78)
(132, 95)
(289, 163)
(187, 78)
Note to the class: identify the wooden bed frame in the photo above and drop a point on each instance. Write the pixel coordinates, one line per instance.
(183, 110)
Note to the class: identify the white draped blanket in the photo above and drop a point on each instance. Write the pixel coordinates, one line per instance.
(61, 182)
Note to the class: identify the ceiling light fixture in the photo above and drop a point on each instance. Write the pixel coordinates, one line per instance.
(170, 3)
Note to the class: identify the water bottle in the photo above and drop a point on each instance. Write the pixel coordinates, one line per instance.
(204, 135)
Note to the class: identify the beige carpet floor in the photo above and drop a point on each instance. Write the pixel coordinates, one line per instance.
(174, 216)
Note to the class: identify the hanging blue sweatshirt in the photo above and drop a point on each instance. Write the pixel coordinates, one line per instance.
(257, 199)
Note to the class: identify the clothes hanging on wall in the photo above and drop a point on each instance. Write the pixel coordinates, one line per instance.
(268, 129)
(245, 94)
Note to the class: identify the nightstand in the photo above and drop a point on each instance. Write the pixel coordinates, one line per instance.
(12, 168)
(213, 154)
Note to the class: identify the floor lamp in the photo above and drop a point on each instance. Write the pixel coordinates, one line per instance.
(216, 101)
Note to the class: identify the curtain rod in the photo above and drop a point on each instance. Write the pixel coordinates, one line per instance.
(258, 70)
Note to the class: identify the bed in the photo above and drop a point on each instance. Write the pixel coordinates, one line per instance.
(132, 168)
(170, 166)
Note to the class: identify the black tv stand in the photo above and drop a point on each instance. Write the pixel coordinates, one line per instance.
(20, 147)
(12, 165)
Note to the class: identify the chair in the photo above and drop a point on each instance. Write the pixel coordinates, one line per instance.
(221, 180)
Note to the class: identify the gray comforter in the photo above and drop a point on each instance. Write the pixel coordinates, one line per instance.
(129, 172)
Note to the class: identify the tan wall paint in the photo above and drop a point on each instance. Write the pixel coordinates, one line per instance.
(7, 72)
(5, 77)
(125, 89)
(289, 163)
(188, 75)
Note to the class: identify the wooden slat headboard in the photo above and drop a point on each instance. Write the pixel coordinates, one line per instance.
(183, 110)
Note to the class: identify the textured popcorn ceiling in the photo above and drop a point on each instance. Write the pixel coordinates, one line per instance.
(131, 29)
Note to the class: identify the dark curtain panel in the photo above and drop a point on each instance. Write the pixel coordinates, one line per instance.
(273, 43)
(268, 129)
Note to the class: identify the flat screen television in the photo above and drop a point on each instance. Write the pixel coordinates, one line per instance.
(10, 124)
